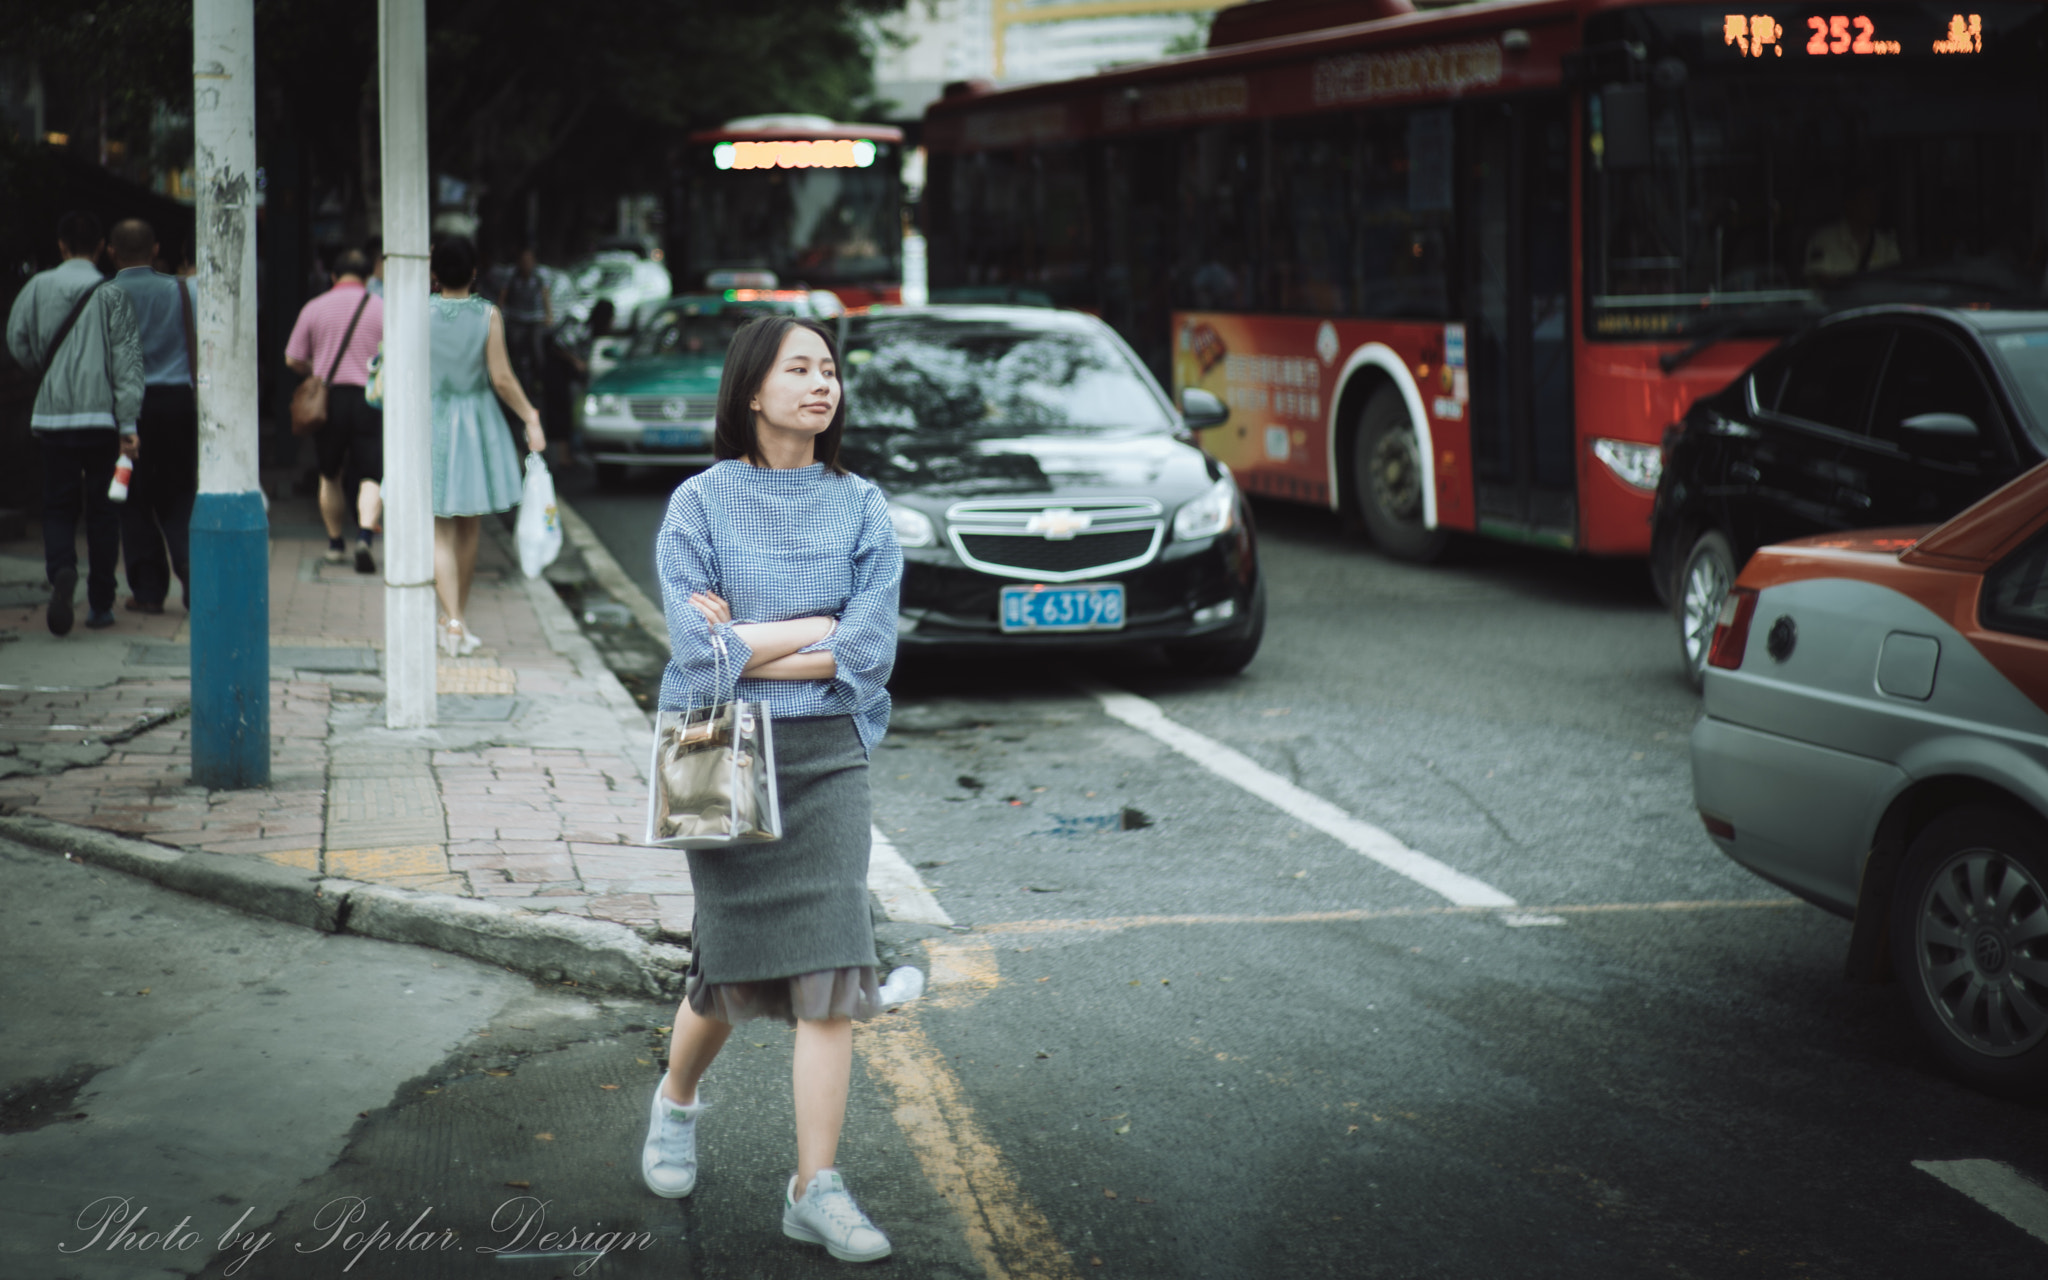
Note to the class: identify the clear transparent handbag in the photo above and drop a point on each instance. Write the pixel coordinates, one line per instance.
(712, 781)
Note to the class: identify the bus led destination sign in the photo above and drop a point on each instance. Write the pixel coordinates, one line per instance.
(828, 153)
(1762, 35)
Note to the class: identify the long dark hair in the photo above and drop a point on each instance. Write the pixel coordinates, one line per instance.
(748, 362)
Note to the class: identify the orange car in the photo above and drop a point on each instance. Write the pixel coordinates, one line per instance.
(1875, 740)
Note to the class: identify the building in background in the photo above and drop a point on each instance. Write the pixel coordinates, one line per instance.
(933, 42)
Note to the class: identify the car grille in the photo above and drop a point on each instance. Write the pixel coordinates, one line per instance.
(673, 408)
(1082, 553)
(1057, 542)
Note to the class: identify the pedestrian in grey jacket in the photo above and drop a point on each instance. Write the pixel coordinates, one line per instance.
(85, 411)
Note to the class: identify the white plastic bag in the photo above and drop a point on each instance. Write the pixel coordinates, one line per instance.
(540, 526)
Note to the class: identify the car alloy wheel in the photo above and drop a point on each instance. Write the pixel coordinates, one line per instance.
(1970, 942)
(1702, 589)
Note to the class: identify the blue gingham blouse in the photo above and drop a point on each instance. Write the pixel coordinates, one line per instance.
(777, 545)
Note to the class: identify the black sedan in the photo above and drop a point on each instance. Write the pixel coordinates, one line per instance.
(1045, 491)
(1890, 415)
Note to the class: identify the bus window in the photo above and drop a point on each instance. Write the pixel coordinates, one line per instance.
(1406, 167)
(1309, 236)
(1220, 177)
(1849, 180)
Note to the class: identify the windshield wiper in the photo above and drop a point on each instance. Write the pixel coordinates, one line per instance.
(1752, 320)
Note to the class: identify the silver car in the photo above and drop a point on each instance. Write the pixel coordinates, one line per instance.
(1875, 739)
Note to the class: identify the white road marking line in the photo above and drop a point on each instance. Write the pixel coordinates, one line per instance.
(1529, 920)
(902, 891)
(1146, 716)
(1998, 1187)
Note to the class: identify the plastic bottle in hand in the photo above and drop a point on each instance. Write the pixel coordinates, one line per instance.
(124, 470)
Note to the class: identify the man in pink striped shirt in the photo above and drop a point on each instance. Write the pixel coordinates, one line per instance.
(351, 445)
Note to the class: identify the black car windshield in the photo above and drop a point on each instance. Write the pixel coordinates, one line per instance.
(2025, 357)
(994, 379)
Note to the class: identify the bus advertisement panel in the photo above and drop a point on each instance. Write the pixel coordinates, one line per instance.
(1461, 270)
(816, 202)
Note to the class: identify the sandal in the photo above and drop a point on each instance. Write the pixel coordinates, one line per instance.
(451, 637)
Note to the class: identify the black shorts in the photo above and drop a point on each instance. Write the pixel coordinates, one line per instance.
(353, 437)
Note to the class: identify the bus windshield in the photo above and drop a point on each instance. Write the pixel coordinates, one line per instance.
(1775, 183)
(818, 227)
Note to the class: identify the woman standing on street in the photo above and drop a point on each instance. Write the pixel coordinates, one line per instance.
(789, 565)
(476, 467)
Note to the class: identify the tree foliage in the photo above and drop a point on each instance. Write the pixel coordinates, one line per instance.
(522, 94)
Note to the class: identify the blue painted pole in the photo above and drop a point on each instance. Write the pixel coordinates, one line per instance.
(230, 641)
(230, 529)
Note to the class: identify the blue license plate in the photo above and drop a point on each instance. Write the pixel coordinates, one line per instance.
(1088, 606)
(675, 437)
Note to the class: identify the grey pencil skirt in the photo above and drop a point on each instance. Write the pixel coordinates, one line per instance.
(784, 929)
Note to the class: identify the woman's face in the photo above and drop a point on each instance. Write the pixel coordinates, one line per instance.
(800, 395)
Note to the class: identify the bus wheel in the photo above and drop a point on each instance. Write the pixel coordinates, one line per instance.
(1387, 478)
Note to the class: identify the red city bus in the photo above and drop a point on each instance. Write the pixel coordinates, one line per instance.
(1460, 270)
(816, 202)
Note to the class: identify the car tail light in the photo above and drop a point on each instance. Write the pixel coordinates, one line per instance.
(1731, 629)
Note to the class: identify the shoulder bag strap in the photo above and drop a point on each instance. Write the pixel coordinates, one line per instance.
(342, 350)
(64, 330)
(185, 322)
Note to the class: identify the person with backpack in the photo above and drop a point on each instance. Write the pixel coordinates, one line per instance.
(83, 342)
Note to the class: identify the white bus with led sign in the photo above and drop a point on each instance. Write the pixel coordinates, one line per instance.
(815, 202)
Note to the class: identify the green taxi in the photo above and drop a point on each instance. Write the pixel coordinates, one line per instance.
(656, 406)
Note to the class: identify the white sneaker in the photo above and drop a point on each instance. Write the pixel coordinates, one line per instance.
(827, 1215)
(668, 1161)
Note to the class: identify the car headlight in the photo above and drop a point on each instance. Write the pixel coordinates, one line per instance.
(1639, 466)
(913, 527)
(1208, 515)
(604, 406)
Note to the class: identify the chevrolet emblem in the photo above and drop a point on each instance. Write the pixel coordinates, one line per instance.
(1058, 524)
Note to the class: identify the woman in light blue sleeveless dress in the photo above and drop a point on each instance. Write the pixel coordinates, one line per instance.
(476, 465)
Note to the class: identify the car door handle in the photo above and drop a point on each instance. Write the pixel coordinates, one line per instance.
(1744, 472)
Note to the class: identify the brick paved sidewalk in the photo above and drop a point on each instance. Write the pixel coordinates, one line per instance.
(528, 792)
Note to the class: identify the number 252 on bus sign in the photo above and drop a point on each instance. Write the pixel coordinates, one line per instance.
(1760, 35)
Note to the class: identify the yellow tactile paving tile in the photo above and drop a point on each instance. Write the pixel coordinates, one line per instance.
(302, 859)
(388, 864)
(450, 678)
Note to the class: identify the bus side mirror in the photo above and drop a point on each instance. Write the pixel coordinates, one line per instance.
(1200, 410)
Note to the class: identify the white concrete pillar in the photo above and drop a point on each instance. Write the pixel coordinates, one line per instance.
(409, 613)
(230, 528)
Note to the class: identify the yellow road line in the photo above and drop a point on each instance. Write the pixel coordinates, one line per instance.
(1004, 1231)
(1007, 1234)
(1110, 924)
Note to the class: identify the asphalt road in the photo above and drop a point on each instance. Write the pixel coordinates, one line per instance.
(1176, 1030)
(1206, 1038)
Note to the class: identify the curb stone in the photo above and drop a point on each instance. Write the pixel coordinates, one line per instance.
(566, 637)
(610, 575)
(542, 945)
